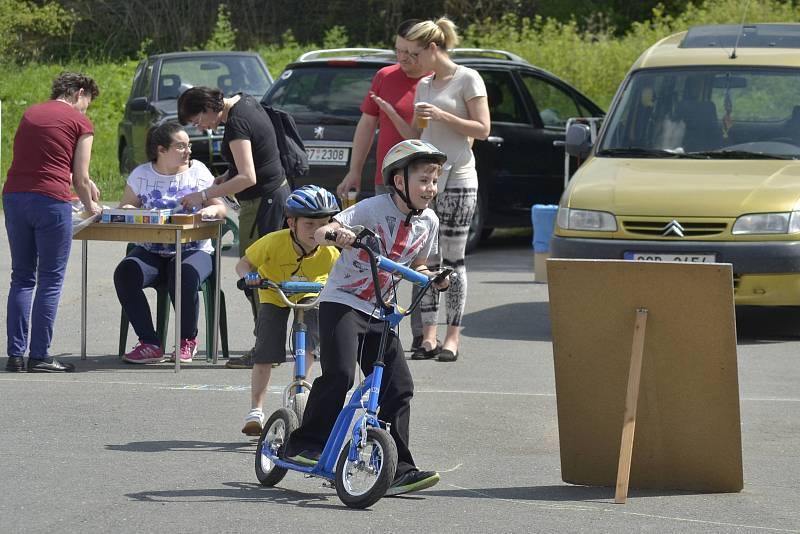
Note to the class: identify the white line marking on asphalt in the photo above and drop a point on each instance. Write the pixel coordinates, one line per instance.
(454, 468)
(245, 387)
(589, 508)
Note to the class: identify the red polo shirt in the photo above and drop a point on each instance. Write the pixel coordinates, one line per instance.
(44, 147)
(393, 85)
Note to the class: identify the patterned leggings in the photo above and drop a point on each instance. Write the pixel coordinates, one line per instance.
(455, 207)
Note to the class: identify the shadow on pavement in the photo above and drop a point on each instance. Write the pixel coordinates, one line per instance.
(184, 446)
(757, 325)
(552, 493)
(528, 321)
(243, 492)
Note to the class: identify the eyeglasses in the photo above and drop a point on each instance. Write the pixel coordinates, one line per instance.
(182, 147)
(414, 56)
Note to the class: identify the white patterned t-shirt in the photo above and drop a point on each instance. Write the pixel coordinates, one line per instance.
(164, 191)
(350, 280)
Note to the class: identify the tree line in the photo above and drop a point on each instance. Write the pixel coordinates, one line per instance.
(115, 29)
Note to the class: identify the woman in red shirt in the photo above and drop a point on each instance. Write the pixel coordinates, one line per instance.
(52, 149)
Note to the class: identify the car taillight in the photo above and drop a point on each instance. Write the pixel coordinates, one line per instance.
(343, 62)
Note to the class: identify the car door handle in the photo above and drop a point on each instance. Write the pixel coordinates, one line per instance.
(495, 140)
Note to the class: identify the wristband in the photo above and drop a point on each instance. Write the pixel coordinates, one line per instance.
(204, 194)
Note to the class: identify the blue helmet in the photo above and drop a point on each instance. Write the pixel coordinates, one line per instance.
(311, 201)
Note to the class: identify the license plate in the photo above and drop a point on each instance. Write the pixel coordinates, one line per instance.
(670, 256)
(321, 155)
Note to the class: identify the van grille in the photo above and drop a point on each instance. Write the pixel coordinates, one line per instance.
(690, 229)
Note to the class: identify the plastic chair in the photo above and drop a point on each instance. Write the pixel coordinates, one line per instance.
(231, 227)
(163, 306)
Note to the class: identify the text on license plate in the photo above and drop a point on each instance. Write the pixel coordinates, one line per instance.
(319, 155)
(670, 256)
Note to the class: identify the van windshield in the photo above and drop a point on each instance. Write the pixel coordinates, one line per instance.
(707, 112)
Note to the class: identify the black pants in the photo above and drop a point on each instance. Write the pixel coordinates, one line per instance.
(343, 333)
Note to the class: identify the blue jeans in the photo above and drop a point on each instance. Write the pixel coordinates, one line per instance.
(40, 238)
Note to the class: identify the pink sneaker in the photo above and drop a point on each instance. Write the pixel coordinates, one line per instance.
(144, 353)
(188, 350)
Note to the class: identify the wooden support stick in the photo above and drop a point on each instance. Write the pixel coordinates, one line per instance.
(631, 400)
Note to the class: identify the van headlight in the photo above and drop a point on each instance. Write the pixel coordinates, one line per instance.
(767, 223)
(597, 221)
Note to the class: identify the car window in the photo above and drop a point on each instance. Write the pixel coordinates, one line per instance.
(504, 101)
(333, 92)
(232, 74)
(144, 85)
(555, 105)
(709, 109)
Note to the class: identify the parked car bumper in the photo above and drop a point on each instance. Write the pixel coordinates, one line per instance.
(765, 273)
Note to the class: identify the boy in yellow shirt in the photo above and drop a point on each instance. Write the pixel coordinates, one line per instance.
(290, 254)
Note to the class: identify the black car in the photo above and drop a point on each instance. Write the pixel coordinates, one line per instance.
(518, 165)
(158, 82)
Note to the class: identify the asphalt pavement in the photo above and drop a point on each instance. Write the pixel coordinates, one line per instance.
(122, 448)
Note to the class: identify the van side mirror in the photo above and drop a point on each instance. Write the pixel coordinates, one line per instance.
(139, 103)
(578, 141)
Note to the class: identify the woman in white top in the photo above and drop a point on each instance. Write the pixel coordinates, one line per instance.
(161, 183)
(453, 103)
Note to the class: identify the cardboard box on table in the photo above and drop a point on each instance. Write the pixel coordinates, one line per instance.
(136, 216)
(687, 429)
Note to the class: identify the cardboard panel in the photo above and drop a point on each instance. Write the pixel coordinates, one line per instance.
(688, 432)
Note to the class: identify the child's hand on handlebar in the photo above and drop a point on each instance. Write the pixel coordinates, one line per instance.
(342, 237)
(441, 279)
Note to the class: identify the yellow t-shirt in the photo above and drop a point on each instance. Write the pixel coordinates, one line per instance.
(276, 260)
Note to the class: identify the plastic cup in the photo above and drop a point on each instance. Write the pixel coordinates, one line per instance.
(350, 199)
(421, 122)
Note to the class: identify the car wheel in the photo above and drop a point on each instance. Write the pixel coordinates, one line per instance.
(477, 232)
(126, 163)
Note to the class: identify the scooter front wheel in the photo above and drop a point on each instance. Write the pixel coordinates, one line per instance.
(276, 431)
(299, 401)
(361, 483)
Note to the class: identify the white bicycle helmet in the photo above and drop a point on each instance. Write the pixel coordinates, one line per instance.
(400, 156)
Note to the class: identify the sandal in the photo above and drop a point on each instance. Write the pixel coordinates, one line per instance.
(422, 354)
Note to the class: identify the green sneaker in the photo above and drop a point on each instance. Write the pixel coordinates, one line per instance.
(306, 457)
(413, 480)
(245, 362)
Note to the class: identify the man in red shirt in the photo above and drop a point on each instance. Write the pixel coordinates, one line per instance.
(392, 90)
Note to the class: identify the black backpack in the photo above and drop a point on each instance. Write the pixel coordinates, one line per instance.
(293, 153)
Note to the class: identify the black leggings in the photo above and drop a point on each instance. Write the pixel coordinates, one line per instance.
(344, 333)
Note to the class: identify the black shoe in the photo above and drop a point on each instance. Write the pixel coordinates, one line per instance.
(49, 365)
(423, 354)
(413, 480)
(447, 356)
(245, 362)
(416, 343)
(15, 364)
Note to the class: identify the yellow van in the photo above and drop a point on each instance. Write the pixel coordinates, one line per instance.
(697, 161)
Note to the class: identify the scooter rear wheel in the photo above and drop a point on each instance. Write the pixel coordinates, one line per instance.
(276, 431)
(361, 483)
(299, 401)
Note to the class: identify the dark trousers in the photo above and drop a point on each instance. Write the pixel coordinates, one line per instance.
(39, 238)
(141, 269)
(345, 334)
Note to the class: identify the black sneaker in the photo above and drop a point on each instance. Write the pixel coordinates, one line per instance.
(245, 362)
(49, 365)
(413, 480)
(15, 364)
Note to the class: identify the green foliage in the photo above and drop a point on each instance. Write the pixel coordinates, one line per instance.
(335, 37)
(23, 87)
(224, 35)
(597, 61)
(591, 57)
(25, 27)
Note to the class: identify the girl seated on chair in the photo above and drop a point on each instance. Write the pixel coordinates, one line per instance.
(161, 183)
